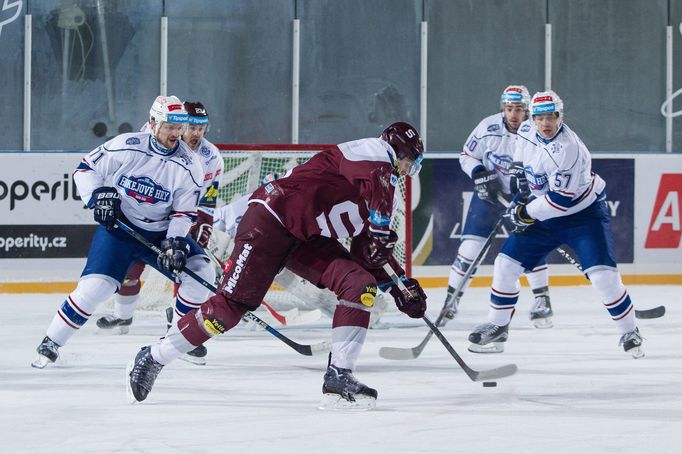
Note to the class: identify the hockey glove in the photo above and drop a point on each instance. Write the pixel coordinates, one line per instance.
(173, 256)
(415, 306)
(486, 185)
(202, 229)
(518, 183)
(373, 250)
(516, 217)
(106, 203)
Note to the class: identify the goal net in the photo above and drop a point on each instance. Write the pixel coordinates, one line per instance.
(245, 168)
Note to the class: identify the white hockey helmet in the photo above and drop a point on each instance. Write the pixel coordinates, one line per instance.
(544, 102)
(167, 109)
(515, 94)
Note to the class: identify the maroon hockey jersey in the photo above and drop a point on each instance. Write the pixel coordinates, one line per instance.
(337, 193)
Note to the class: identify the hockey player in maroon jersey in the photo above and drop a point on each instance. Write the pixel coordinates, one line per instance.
(295, 222)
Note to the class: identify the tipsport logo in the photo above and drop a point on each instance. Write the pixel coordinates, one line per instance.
(143, 189)
(665, 227)
(10, 11)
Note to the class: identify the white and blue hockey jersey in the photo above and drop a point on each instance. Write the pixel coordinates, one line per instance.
(213, 167)
(158, 192)
(559, 173)
(491, 145)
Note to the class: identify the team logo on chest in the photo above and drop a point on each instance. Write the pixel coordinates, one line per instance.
(535, 182)
(143, 189)
(502, 163)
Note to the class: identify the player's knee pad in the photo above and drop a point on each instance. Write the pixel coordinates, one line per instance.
(130, 287)
(607, 283)
(91, 291)
(192, 290)
(506, 274)
(350, 282)
(467, 253)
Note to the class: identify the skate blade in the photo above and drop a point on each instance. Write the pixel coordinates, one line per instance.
(543, 323)
(193, 360)
(493, 347)
(636, 352)
(130, 397)
(338, 403)
(40, 362)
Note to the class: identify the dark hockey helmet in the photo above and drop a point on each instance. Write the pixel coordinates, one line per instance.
(198, 115)
(406, 142)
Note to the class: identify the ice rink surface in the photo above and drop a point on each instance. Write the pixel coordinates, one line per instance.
(576, 391)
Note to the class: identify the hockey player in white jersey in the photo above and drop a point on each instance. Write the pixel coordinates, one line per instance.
(156, 183)
(126, 300)
(487, 159)
(566, 205)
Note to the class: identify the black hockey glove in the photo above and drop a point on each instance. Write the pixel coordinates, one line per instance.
(173, 256)
(106, 203)
(373, 250)
(518, 183)
(516, 217)
(487, 185)
(415, 306)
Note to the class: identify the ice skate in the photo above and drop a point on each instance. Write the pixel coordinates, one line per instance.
(342, 391)
(48, 352)
(196, 356)
(116, 325)
(488, 338)
(632, 343)
(451, 305)
(141, 374)
(541, 313)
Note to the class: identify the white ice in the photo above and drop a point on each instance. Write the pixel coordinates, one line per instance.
(576, 390)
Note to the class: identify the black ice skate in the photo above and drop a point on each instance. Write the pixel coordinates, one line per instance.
(451, 305)
(48, 352)
(141, 374)
(632, 343)
(488, 338)
(196, 356)
(116, 325)
(541, 314)
(342, 391)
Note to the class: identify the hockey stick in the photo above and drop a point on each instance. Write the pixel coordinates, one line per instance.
(474, 375)
(398, 353)
(654, 312)
(303, 349)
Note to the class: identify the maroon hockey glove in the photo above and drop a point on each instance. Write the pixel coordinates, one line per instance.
(373, 250)
(202, 229)
(414, 307)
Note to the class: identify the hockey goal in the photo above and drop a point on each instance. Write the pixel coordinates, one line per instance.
(246, 166)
